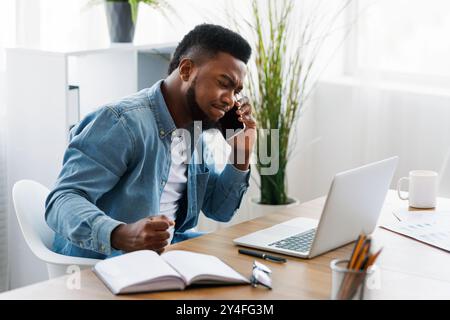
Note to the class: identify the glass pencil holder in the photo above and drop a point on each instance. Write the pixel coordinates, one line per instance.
(347, 284)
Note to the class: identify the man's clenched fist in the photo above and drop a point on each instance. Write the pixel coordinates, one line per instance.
(146, 234)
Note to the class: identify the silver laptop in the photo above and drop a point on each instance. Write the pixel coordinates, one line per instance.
(353, 206)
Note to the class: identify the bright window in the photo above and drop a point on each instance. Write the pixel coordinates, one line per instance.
(404, 36)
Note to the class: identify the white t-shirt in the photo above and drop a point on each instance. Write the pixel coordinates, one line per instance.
(177, 180)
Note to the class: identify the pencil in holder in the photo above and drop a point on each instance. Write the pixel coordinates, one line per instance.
(348, 284)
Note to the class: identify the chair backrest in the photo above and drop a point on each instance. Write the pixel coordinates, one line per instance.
(29, 204)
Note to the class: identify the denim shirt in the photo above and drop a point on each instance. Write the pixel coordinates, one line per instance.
(115, 169)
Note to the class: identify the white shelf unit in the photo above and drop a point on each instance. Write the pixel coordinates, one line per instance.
(40, 113)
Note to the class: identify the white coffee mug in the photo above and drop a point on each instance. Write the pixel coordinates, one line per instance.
(423, 188)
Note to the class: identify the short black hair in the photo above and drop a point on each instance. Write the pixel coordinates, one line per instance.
(211, 39)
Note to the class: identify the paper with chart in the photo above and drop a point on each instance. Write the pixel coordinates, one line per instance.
(430, 228)
(403, 214)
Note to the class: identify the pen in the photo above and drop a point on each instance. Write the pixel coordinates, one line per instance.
(262, 255)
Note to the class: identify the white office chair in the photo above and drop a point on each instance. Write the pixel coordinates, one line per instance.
(29, 203)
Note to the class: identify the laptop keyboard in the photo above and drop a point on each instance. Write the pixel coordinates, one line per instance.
(300, 242)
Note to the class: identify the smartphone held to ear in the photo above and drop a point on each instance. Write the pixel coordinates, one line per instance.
(229, 124)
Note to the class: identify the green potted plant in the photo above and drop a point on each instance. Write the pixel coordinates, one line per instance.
(122, 16)
(280, 82)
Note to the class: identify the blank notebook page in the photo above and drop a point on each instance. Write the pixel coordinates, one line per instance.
(134, 268)
(191, 264)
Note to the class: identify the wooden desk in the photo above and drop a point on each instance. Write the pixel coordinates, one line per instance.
(409, 269)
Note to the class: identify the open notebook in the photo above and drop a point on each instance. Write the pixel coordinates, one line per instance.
(145, 271)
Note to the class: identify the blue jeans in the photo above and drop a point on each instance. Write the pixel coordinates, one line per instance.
(178, 237)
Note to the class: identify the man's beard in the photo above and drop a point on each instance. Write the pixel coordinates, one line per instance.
(196, 112)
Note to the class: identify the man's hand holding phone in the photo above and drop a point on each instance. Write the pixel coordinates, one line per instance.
(242, 144)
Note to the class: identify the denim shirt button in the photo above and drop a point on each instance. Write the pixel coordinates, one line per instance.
(81, 245)
(161, 132)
